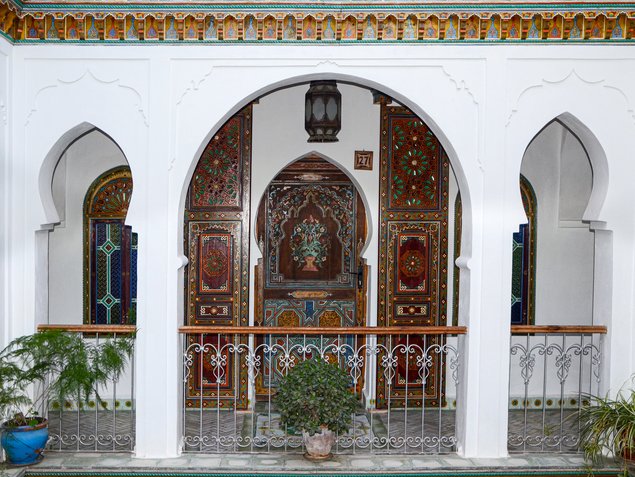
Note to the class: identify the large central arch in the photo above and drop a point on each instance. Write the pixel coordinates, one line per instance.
(215, 271)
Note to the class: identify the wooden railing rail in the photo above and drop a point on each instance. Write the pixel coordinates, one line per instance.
(115, 329)
(287, 330)
(558, 330)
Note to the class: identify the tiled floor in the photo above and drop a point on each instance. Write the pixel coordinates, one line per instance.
(533, 431)
(264, 463)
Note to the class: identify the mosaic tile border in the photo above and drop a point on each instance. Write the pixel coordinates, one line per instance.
(125, 404)
(515, 402)
(484, 473)
(221, 24)
(550, 402)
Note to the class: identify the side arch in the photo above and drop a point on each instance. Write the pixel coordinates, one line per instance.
(52, 158)
(523, 129)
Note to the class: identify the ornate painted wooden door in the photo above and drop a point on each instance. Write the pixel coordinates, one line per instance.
(311, 228)
(413, 247)
(217, 246)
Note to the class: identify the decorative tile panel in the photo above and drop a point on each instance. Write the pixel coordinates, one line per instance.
(218, 23)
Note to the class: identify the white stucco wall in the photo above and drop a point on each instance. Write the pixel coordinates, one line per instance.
(279, 138)
(162, 103)
(564, 254)
(6, 324)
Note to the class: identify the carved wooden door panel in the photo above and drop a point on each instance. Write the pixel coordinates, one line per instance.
(217, 246)
(311, 228)
(413, 246)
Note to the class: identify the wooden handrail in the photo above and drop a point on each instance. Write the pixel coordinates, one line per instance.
(558, 330)
(330, 330)
(118, 329)
(366, 330)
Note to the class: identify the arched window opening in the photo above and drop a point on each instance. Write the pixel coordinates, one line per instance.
(110, 251)
(524, 261)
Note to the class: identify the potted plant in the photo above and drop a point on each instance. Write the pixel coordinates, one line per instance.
(315, 398)
(609, 425)
(51, 363)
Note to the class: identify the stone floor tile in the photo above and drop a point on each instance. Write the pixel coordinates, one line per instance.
(80, 464)
(142, 463)
(115, 462)
(457, 462)
(295, 463)
(330, 464)
(393, 463)
(427, 463)
(174, 463)
(200, 462)
(13, 472)
(362, 463)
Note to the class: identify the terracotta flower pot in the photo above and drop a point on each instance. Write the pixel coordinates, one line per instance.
(318, 446)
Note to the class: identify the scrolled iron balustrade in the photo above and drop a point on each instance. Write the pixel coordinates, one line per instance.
(553, 370)
(404, 424)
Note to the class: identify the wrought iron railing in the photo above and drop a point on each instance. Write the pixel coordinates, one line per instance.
(104, 423)
(553, 371)
(405, 379)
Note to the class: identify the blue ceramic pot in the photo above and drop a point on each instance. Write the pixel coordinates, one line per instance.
(24, 445)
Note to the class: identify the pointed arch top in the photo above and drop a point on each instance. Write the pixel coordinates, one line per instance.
(51, 160)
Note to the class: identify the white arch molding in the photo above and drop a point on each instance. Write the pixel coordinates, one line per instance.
(183, 166)
(188, 164)
(52, 215)
(604, 212)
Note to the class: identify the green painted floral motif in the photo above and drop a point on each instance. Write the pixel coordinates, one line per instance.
(218, 182)
(428, 188)
(413, 181)
(217, 177)
(414, 163)
(309, 244)
(216, 162)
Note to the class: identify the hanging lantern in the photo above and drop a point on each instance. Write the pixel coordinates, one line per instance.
(323, 111)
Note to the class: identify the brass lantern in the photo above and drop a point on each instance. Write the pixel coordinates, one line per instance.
(323, 111)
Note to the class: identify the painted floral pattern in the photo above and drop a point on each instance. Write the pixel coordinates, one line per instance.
(310, 244)
(414, 172)
(216, 181)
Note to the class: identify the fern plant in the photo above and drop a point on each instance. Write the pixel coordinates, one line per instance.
(608, 425)
(315, 394)
(62, 364)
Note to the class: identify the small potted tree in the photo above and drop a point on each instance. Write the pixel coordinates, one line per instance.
(47, 364)
(608, 425)
(315, 398)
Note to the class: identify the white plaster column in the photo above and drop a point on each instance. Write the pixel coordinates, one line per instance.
(614, 280)
(482, 417)
(5, 186)
(23, 215)
(157, 358)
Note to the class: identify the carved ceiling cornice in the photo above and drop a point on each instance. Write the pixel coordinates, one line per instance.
(371, 22)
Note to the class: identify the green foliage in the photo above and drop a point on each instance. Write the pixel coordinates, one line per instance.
(608, 424)
(315, 394)
(61, 364)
